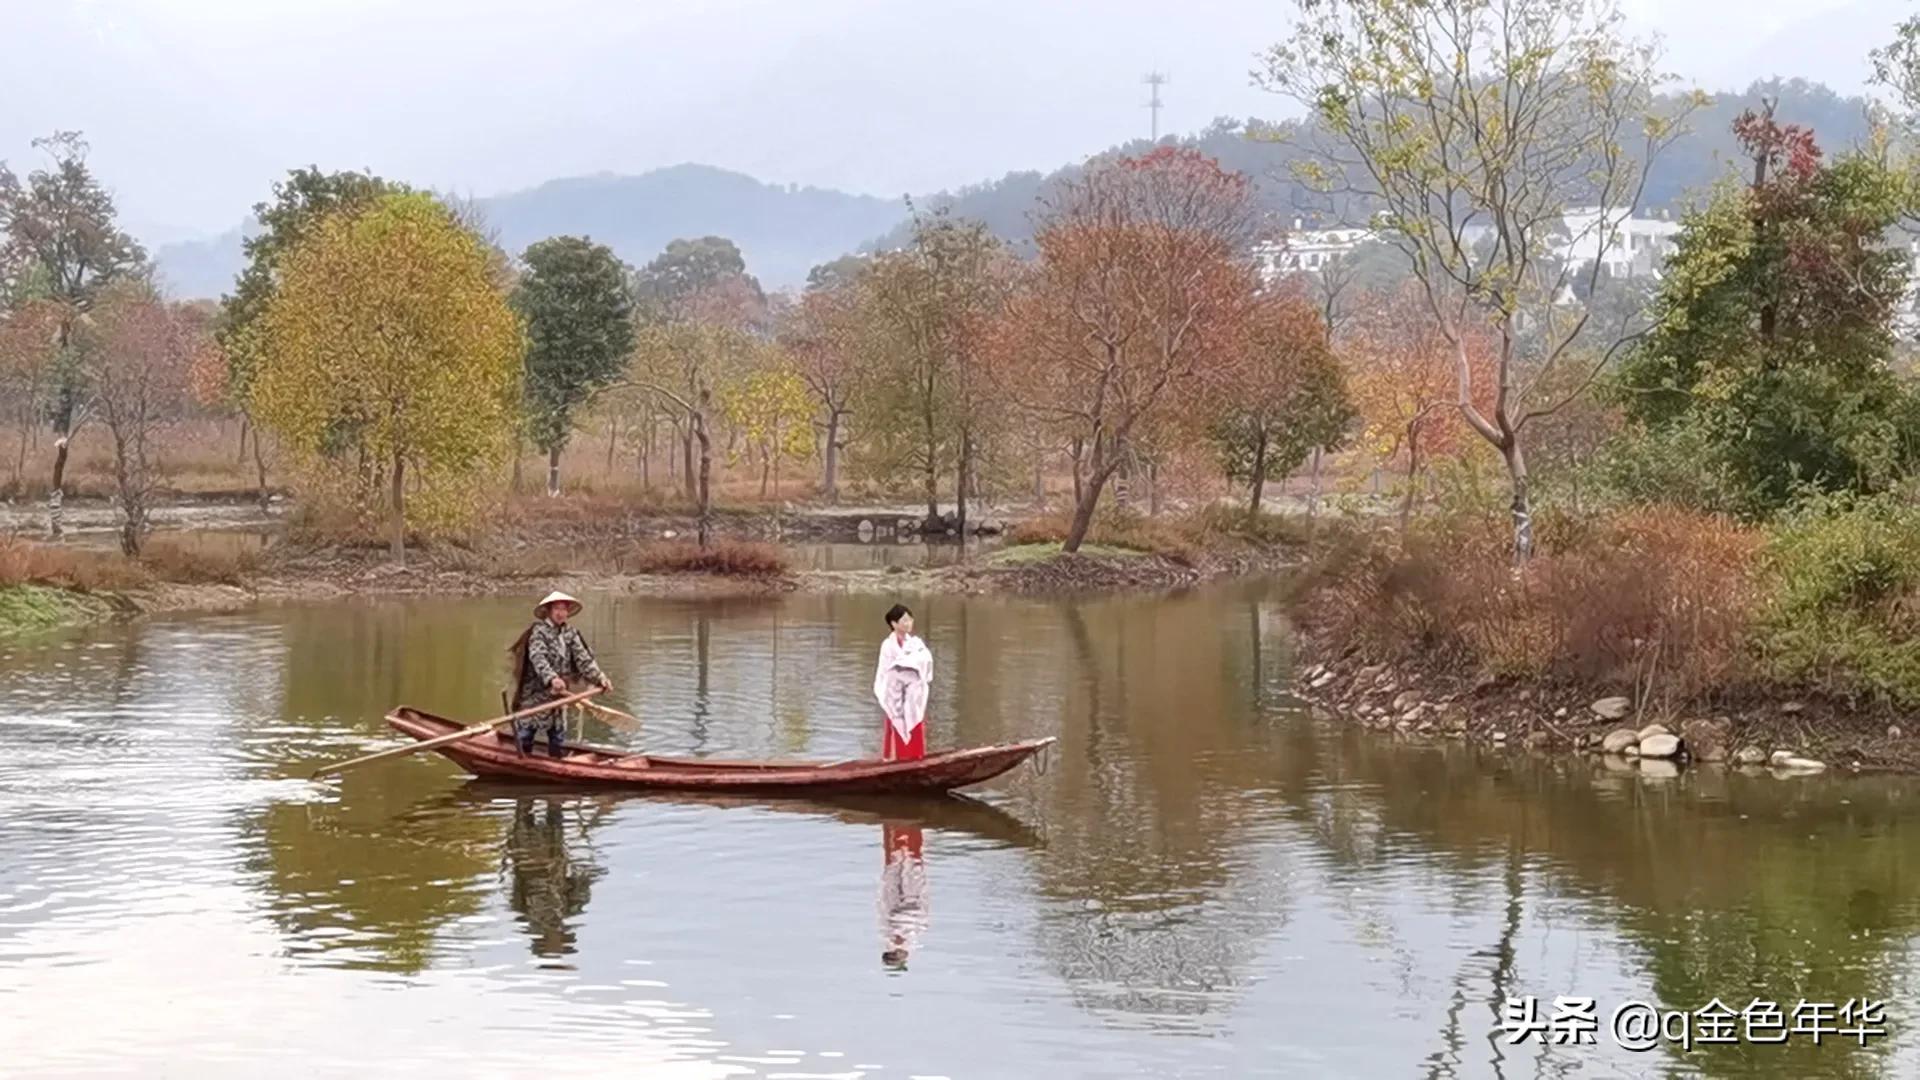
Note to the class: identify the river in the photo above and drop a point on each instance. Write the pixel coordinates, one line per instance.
(1205, 882)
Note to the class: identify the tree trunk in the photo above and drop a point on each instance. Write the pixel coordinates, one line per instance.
(260, 472)
(398, 506)
(553, 471)
(1413, 480)
(244, 425)
(704, 491)
(1259, 476)
(830, 480)
(1083, 517)
(1076, 450)
(1153, 489)
(1313, 485)
(1522, 505)
(1039, 478)
(133, 511)
(613, 436)
(519, 451)
(1098, 472)
(692, 481)
(57, 497)
(962, 483)
(933, 493)
(766, 465)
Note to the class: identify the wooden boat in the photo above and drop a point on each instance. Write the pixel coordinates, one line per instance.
(495, 756)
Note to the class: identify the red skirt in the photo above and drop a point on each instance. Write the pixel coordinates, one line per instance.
(894, 748)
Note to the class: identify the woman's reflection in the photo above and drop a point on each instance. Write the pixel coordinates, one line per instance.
(903, 892)
(550, 886)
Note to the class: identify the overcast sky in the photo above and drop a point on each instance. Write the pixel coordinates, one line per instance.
(194, 107)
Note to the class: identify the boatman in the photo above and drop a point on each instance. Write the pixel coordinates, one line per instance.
(551, 659)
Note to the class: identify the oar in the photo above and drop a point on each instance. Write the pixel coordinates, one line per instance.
(455, 736)
(625, 719)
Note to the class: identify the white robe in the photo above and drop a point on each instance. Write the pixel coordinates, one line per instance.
(914, 656)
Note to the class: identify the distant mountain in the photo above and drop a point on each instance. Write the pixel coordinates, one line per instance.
(783, 231)
(1265, 152)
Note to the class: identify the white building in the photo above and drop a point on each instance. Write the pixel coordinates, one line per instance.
(1306, 250)
(1628, 246)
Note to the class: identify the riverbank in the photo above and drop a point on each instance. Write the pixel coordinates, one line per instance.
(1656, 639)
(1788, 737)
(611, 549)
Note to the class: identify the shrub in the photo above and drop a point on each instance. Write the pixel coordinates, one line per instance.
(1843, 598)
(1653, 596)
(729, 558)
(1677, 466)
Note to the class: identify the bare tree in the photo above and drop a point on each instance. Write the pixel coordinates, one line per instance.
(1475, 125)
(137, 353)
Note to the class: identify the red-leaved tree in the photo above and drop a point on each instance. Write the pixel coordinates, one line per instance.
(1133, 308)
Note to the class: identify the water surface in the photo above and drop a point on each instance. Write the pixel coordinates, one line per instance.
(1205, 883)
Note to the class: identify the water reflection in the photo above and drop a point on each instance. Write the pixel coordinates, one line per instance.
(550, 861)
(903, 892)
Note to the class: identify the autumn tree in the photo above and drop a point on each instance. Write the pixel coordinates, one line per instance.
(60, 228)
(680, 362)
(386, 329)
(933, 303)
(578, 312)
(828, 341)
(1403, 372)
(136, 352)
(700, 316)
(29, 346)
(1289, 400)
(1473, 125)
(299, 202)
(773, 410)
(1134, 308)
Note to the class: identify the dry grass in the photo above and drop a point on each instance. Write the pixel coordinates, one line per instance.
(1661, 599)
(726, 558)
(89, 570)
(200, 457)
(200, 564)
(26, 562)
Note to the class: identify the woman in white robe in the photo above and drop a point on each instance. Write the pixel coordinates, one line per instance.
(900, 682)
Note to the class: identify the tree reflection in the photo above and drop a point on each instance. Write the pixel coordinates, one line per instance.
(1728, 887)
(1156, 863)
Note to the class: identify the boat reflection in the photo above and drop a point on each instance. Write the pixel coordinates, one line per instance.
(903, 892)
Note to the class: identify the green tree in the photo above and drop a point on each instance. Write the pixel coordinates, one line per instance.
(686, 269)
(579, 318)
(1290, 398)
(300, 201)
(1775, 324)
(1473, 125)
(386, 328)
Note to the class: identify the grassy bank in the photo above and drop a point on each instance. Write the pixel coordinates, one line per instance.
(1796, 635)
